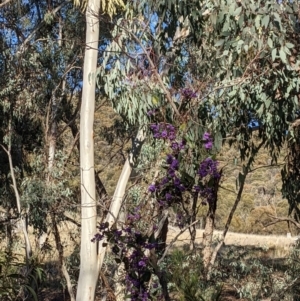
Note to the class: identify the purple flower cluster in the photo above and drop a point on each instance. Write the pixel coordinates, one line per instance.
(208, 195)
(208, 141)
(188, 93)
(170, 186)
(163, 131)
(152, 112)
(135, 216)
(208, 167)
(129, 245)
(152, 188)
(178, 146)
(134, 288)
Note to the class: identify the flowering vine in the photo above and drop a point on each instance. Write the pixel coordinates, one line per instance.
(134, 248)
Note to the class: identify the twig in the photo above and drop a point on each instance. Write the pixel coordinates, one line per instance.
(174, 240)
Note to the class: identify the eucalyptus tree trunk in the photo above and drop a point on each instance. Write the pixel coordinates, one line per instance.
(22, 221)
(117, 200)
(210, 225)
(88, 275)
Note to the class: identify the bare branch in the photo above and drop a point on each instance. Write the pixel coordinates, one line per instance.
(4, 3)
(282, 219)
(175, 239)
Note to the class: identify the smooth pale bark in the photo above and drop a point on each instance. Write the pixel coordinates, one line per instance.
(23, 223)
(207, 238)
(52, 137)
(88, 275)
(119, 193)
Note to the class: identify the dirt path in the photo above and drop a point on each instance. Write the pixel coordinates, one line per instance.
(281, 244)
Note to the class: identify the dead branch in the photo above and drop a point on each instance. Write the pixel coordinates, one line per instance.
(282, 219)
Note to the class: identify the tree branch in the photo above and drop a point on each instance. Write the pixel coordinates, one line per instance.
(36, 29)
(4, 3)
(175, 239)
(154, 69)
(282, 219)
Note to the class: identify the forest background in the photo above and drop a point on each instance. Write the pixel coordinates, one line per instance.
(123, 119)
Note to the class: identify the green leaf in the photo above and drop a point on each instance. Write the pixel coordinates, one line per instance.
(237, 11)
(265, 21)
(286, 50)
(257, 22)
(32, 292)
(289, 45)
(232, 9)
(219, 43)
(277, 17)
(270, 42)
(282, 55)
(260, 110)
(274, 53)
(268, 102)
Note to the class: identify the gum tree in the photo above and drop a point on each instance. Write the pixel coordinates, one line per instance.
(242, 58)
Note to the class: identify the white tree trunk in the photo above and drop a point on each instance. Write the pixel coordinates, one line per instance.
(23, 223)
(88, 275)
(119, 193)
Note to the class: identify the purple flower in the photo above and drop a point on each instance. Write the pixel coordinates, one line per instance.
(150, 246)
(174, 146)
(152, 188)
(168, 196)
(164, 134)
(169, 159)
(142, 263)
(181, 188)
(172, 136)
(154, 127)
(179, 220)
(175, 164)
(164, 181)
(177, 182)
(162, 203)
(163, 131)
(97, 237)
(118, 232)
(134, 217)
(171, 173)
(208, 167)
(188, 93)
(151, 112)
(208, 141)
(206, 136)
(182, 144)
(208, 194)
(196, 188)
(208, 145)
(128, 230)
(170, 127)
